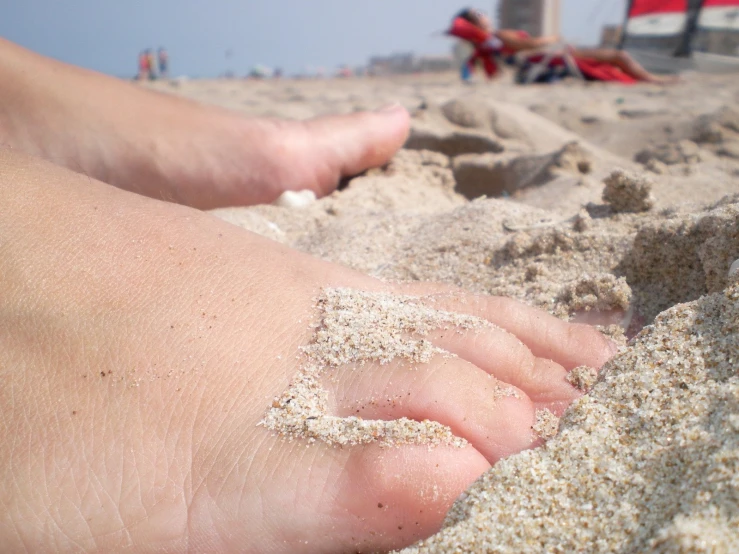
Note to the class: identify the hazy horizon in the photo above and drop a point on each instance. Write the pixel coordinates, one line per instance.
(289, 34)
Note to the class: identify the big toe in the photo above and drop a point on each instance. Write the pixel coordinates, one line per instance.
(398, 496)
(347, 145)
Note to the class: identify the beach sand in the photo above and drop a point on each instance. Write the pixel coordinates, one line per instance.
(615, 204)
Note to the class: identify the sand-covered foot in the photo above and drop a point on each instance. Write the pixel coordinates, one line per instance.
(170, 382)
(175, 149)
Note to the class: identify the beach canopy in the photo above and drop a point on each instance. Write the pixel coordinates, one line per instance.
(657, 7)
(664, 18)
(657, 18)
(719, 15)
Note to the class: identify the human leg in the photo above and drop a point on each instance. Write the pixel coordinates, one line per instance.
(174, 149)
(623, 60)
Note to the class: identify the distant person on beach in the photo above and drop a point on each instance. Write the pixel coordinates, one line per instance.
(152, 63)
(492, 45)
(143, 341)
(163, 58)
(144, 71)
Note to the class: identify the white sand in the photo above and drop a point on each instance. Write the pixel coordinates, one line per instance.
(357, 327)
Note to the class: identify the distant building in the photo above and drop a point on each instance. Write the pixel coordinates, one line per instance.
(391, 65)
(434, 64)
(405, 63)
(536, 17)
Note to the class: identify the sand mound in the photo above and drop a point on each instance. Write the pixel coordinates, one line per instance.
(461, 125)
(717, 127)
(672, 153)
(451, 142)
(682, 256)
(472, 113)
(627, 192)
(490, 175)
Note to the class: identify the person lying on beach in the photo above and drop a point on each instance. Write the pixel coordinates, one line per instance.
(142, 341)
(600, 64)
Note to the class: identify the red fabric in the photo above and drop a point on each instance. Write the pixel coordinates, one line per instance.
(481, 40)
(465, 30)
(647, 7)
(603, 71)
(488, 63)
(461, 28)
(592, 69)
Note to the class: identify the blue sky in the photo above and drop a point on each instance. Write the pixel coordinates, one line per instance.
(106, 35)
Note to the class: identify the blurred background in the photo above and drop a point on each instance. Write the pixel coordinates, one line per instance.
(295, 37)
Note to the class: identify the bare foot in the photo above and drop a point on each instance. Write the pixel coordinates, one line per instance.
(175, 149)
(143, 342)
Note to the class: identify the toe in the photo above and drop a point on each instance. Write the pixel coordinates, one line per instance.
(495, 418)
(397, 496)
(500, 354)
(569, 345)
(346, 145)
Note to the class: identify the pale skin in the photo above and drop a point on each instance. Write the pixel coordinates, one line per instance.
(174, 149)
(142, 341)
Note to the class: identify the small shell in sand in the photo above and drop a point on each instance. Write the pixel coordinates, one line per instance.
(295, 199)
(734, 269)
